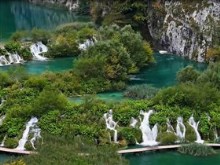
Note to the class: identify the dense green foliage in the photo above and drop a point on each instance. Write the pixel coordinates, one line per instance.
(77, 151)
(140, 92)
(195, 149)
(167, 138)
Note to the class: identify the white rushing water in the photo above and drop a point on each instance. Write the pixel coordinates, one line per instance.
(180, 129)
(37, 135)
(195, 125)
(170, 127)
(87, 43)
(133, 122)
(149, 135)
(111, 124)
(23, 140)
(2, 118)
(3, 141)
(9, 59)
(37, 51)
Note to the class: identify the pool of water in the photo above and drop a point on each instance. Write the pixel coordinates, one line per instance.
(163, 72)
(21, 15)
(171, 158)
(5, 157)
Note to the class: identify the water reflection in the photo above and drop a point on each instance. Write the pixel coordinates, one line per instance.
(20, 15)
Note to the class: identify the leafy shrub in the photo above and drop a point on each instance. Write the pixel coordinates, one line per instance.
(11, 143)
(131, 135)
(190, 134)
(140, 92)
(188, 74)
(167, 138)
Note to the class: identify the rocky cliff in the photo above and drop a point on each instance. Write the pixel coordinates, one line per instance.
(182, 27)
(185, 28)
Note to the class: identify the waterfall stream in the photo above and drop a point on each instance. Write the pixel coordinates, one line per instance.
(24, 139)
(37, 50)
(195, 125)
(111, 124)
(149, 135)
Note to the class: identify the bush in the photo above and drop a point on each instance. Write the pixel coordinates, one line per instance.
(167, 138)
(190, 134)
(188, 74)
(195, 149)
(11, 143)
(140, 92)
(131, 135)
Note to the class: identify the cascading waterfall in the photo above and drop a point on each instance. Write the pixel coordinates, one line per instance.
(87, 43)
(37, 49)
(2, 101)
(133, 122)
(15, 59)
(37, 135)
(170, 127)
(195, 125)
(2, 118)
(111, 124)
(180, 128)
(10, 59)
(3, 141)
(148, 136)
(23, 140)
(3, 61)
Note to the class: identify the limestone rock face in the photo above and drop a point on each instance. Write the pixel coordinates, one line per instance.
(186, 29)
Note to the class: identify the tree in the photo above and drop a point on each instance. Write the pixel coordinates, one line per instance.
(188, 74)
(49, 99)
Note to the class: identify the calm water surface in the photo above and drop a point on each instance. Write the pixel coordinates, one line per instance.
(171, 158)
(20, 15)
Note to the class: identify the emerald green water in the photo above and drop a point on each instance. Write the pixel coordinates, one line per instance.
(171, 158)
(21, 15)
(163, 72)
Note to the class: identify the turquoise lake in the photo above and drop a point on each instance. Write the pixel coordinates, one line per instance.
(21, 15)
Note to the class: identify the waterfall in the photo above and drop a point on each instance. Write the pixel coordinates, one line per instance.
(4, 61)
(2, 118)
(195, 125)
(148, 136)
(37, 49)
(111, 124)
(23, 140)
(15, 58)
(180, 128)
(11, 59)
(3, 141)
(170, 127)
(87, 44)
(2, 101)
(133, 122)
(37, 134)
